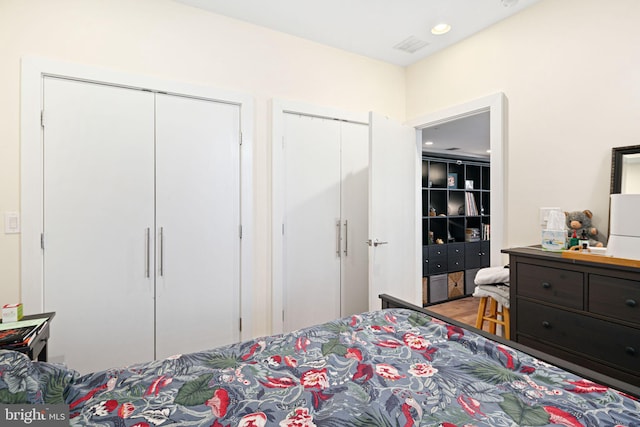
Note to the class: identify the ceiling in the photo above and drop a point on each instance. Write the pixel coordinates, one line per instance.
(373, 28)
(467, 137)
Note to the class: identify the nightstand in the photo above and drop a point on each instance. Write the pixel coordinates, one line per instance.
(36, 347)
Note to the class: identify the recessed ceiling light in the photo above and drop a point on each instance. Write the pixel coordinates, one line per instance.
(440, 29)
(428, 143)
(489, 151)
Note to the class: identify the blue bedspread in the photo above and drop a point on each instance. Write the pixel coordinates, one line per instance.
(390, 367)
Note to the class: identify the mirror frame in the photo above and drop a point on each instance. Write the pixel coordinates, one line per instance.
(616, 165)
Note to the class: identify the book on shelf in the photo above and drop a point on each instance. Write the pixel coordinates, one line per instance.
(470, 204)
(486, 231)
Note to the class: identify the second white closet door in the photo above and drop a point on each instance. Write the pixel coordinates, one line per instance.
(355, 217)
(312, 218)
(197, 224)
(325, 225)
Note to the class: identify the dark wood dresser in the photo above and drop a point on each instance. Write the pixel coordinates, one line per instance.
(584, 312)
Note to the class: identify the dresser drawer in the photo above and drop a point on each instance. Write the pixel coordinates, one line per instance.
(603, 341)
(562, 287)
(613, 297)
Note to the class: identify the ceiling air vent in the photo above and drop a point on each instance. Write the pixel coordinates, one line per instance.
(411, 45)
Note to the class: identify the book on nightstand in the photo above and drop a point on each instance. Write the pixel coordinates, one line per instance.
(20, 332)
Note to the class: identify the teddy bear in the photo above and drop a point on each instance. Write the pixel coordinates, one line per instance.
(580, 221)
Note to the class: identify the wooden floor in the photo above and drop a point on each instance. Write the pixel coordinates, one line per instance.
(463, 310)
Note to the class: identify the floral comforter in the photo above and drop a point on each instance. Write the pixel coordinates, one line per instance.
(390, 367)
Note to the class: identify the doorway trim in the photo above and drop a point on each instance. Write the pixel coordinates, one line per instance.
(31, 158)
(496, 105)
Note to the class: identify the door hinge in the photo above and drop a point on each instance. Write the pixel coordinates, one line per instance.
(283, 229)
(241, 324)
(282, 316)
(241, 138)
(42, 241)
(240, 230)
(42, 118)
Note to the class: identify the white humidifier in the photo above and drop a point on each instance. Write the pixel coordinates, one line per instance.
(624, 227)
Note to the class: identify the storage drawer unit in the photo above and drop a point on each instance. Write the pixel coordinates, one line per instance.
(476, 254)
(581, 311)
(456, 200)
(437, 260)
(455, 256)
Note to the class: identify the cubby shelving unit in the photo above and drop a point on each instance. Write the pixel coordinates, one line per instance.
(455, 225)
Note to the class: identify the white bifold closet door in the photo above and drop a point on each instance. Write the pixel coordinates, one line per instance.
(197, 224)
(325, 220)
(141, 223)
(98, 223)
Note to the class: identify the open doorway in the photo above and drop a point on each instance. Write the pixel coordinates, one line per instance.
(456, 211)
(485, 116)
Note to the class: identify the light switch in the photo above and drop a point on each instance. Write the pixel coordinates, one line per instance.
(11, 222)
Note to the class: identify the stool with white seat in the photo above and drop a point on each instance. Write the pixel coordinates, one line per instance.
(492, 287)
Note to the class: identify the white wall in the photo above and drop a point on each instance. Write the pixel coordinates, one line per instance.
(169, 40)
(569, 69)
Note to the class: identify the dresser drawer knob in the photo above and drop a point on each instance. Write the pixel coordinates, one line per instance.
(631, 302)
(546, 324)
(546, 285)
(630, 351)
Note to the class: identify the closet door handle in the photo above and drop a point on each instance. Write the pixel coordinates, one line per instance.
(346, 238)
(338, 238)
(161, 251)
(147, 254)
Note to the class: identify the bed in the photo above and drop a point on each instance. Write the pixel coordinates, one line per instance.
(398, 366)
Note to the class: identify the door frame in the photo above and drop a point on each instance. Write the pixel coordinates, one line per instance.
(280, 107)
(33, 70)
(496, 105)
